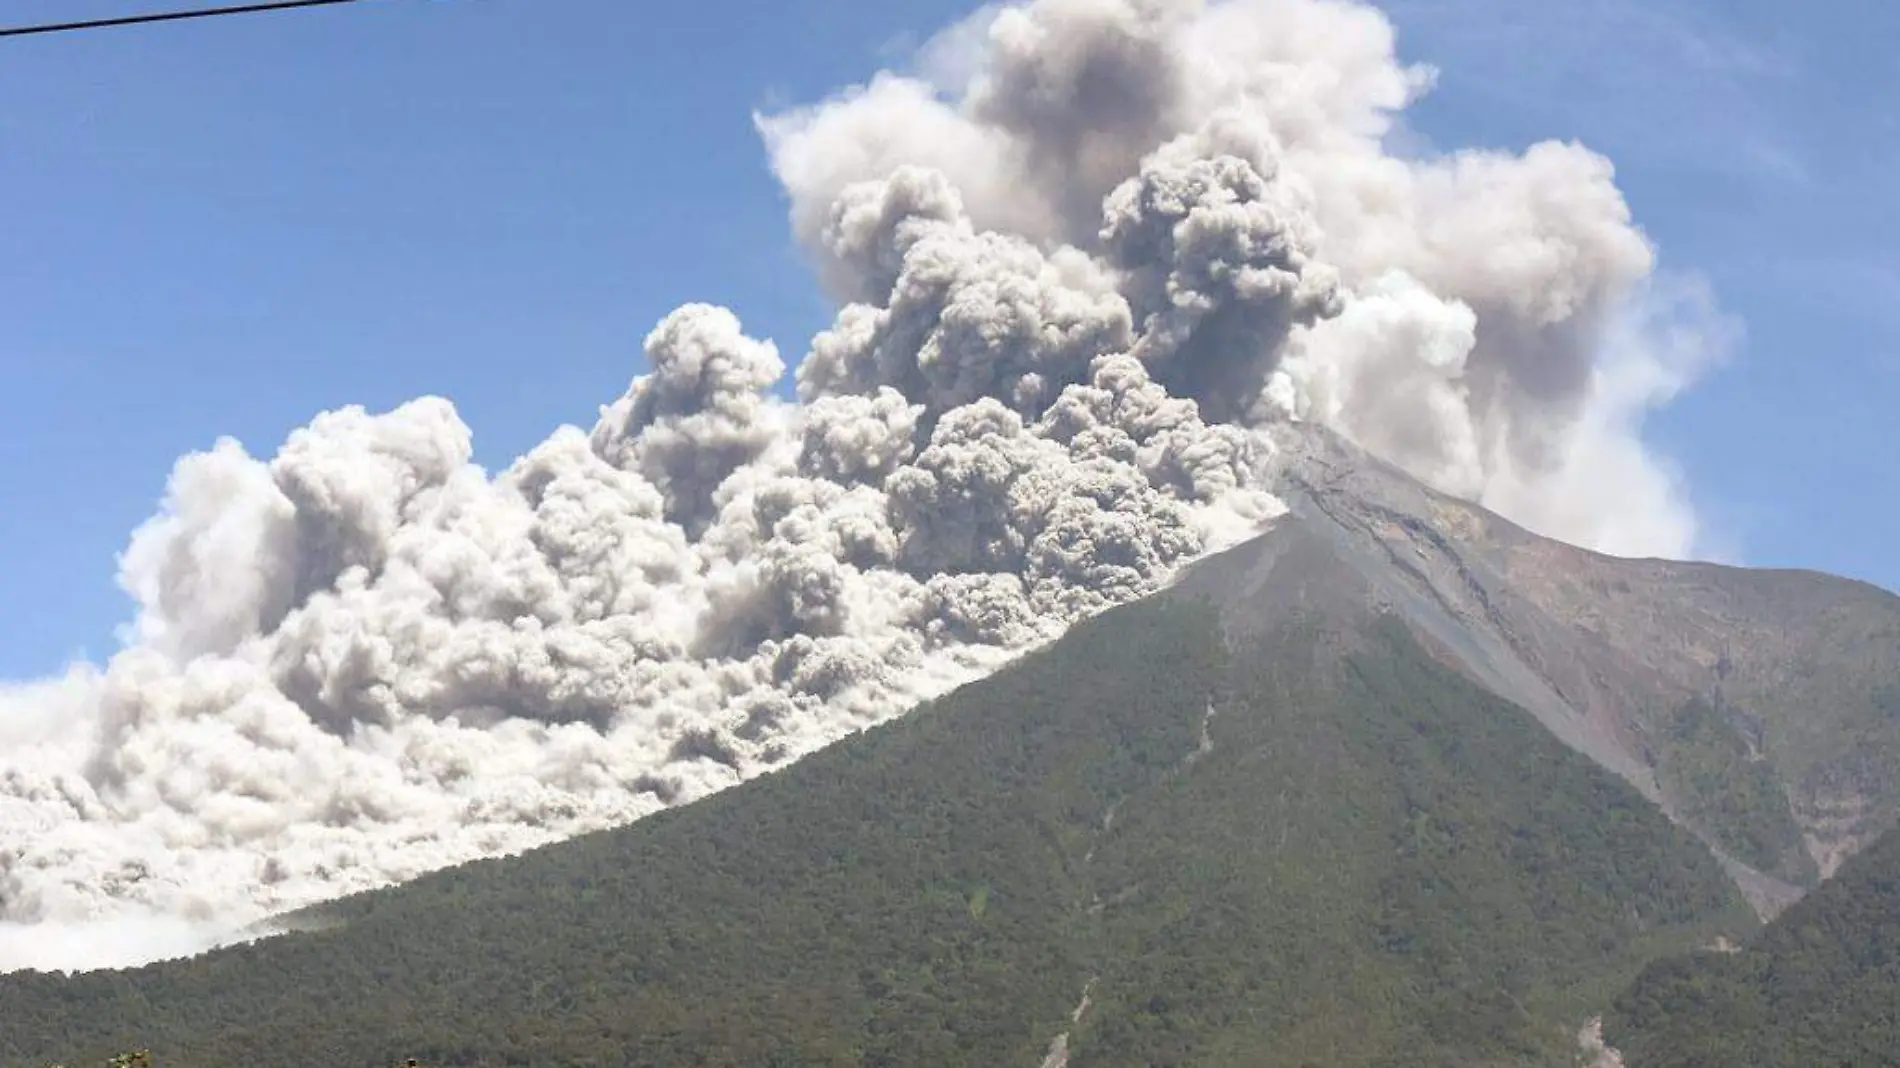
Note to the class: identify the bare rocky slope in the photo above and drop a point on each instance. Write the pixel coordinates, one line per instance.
(1760, 708)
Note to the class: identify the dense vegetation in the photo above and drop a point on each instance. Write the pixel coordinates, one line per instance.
(1728, 791)
(1389, 868)
(1819, 987)
(1830, 712)
(1315, 848)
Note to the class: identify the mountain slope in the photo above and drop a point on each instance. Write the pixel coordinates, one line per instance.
(1305, 842)
(1760, 708)
(1369, 789)
(1819, 986)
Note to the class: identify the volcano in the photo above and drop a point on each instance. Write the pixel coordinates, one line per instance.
(1395, 781)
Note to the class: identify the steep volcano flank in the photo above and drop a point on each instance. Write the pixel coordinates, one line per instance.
(1759, 708)
(1374, 862)
(1306, 843)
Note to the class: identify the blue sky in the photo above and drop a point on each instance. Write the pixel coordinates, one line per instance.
(225, 227)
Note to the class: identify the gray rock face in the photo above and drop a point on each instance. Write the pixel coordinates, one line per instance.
(1759, 708)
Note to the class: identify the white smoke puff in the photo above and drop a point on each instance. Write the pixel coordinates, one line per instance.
(1221, 268)
(1101, 535)
(820, 151)
(826, 667)
(1119, 413)
(700, 415)
(46, 725)
(221, 507)
(1389, 372)
(952, 506)
(65, 946)
(1082, 89)
(850, 438)
(356, 654)
(797, 555)
(1123, 414)
(873, 224)
(969, 316)
(598, 536)
(989, 496)
(853, 522)
(1323, 76)
(350, 476)
(983, 608)
(168, 729)
(466, 614)
(1656, 345)
(788, 588)
(1541, 247)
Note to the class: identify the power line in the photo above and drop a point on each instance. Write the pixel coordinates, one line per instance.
(166, 16)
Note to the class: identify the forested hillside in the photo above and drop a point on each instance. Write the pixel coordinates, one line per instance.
(1313, 847)
(1819, 986)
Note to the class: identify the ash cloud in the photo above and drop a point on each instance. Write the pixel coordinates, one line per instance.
(1087, 275)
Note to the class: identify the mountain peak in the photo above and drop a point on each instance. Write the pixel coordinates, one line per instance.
(1727, 695)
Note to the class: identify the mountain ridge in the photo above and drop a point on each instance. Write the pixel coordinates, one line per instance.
(1626, 659)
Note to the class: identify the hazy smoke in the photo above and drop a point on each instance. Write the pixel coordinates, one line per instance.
(1085, 277)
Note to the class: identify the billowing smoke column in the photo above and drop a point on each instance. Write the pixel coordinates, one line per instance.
(1086, 275)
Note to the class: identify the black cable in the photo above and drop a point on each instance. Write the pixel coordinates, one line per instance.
(166, 16)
